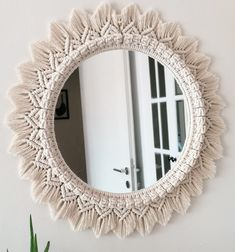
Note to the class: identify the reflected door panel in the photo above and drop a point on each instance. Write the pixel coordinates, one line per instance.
(107, 120)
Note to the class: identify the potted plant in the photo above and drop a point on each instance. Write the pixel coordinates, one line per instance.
(33, 239)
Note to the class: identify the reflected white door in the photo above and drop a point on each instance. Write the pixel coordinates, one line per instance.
(161, 117)
(107, 121)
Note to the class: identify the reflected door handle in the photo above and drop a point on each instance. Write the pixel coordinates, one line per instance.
(173, 159)
(128, 184)
(126, 170)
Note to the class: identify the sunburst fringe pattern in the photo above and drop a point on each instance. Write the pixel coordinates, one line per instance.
(32, 120)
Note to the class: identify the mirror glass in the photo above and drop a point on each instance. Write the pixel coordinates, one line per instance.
(121, 121)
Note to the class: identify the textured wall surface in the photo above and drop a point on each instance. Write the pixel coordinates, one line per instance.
(209, 224)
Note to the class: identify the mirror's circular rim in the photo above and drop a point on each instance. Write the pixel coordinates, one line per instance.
(190, 126)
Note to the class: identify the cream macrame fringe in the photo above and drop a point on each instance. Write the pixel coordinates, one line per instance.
(35, 97)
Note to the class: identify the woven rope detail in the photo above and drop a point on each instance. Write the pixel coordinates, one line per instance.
(33, 120)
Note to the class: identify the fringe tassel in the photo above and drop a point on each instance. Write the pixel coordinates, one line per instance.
(162, 211)
(79, 24)
(81, 220)
(146, 222)
(180, 200)
(101, 18)
(28, 74)
(168, 33)
(63, 209)
(41, 53)
(128, 19)
(125, 226)
(185, 45)
(147, 22)
(103, 224)
(193, 184)
(59, 35)
(206, 168)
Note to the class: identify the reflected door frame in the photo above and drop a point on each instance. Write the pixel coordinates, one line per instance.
(131, 127)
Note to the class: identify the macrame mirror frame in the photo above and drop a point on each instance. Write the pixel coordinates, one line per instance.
(35, 97)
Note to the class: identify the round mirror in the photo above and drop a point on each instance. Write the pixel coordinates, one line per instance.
(121, 121)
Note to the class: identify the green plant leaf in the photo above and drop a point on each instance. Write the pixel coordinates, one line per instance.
(35, 243)
(32, 244)
(34, 240)
(47, 247)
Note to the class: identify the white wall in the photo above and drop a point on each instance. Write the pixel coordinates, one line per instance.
(209, 224)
